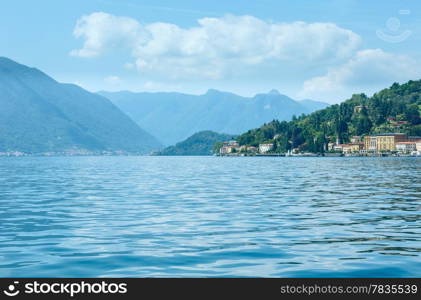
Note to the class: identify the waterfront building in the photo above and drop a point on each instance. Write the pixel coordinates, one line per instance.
(338, 147)
(370, 143)
(229, 147)
(252, 149)
(264, 148)
(248, 149)
(406, 147)
(352, 148)
(418, 146)
(384, 141)
(223, 150)
(330, 146)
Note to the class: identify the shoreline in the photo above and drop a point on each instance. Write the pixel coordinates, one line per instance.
(231, 156)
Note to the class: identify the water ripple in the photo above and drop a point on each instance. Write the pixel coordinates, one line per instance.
(208, 216)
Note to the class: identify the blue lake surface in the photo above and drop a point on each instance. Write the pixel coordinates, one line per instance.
(209, 217)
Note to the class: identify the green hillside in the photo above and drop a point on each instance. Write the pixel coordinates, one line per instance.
(200, 143)
(396, 109)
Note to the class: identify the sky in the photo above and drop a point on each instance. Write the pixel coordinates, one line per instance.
(323, 50)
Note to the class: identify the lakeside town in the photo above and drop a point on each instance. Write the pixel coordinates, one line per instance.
(71, 152)
(384, 144)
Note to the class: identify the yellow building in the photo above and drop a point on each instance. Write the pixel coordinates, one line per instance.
(384, 141)
(370, 143)
(352, 148)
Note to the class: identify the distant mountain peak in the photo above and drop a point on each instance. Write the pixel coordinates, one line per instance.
(213, 91)
(174, 117)
(218, 93)
(274, 92)
(16, 69)
(13, 65)
(7, 62)
(4, 59)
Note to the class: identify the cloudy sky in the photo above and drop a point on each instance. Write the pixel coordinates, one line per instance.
(323, 50)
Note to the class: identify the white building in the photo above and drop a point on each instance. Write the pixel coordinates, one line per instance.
(232, 143)
(330, 146)
(418, 145)
(338, 147)
(264, 148)
(229, 147)
(406, 147)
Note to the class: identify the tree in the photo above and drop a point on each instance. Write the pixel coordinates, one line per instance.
(412, 114)
(364, 124)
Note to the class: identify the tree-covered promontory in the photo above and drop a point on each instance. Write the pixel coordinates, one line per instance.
(200, 143)
(396, 109)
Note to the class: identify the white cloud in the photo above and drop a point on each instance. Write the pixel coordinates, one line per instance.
(216, 47)
(245, 48)
(367, 71)
(103, 32)
(129, 66)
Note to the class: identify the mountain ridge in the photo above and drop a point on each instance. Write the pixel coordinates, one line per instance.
(40, 114)
(173, 117)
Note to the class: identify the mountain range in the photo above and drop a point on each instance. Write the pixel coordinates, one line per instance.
(173, 117)
(39, 114)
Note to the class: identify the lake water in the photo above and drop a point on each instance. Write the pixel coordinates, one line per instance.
(209, 216)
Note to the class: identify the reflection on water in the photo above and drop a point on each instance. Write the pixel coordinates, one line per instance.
(209, 216)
